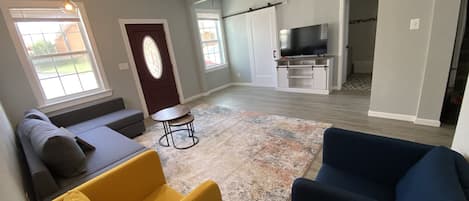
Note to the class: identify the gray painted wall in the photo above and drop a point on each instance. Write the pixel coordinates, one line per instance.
(362, 35)
(237, 40)
(411, 67)
(16, 93)
(399, 55)
(296, 13)
(440, 53)
(12, 186)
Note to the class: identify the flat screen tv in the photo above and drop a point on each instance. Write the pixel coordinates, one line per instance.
(311, 40)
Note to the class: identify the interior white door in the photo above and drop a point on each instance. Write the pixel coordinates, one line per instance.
(262, 39)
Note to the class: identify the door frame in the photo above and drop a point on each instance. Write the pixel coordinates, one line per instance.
(344, 14)
(133, 66)
(275, 41)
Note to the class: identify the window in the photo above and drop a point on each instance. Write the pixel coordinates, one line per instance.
(211, 39)
(59, 52)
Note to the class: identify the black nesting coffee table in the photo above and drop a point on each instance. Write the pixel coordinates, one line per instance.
(176, 116)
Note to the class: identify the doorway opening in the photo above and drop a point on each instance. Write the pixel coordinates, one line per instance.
(459, 71)
(360, 36)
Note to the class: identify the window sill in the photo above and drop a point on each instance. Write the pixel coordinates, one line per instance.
(51, 107)
(215, 68)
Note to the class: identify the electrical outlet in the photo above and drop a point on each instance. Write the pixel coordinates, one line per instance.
(415, 24)
(123, 66)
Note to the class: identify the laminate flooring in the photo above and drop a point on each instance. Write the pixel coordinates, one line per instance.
(347, 110)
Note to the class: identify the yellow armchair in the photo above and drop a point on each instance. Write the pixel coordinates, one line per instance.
(141, 179)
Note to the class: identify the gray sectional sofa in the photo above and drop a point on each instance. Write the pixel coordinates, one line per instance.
(108, 126)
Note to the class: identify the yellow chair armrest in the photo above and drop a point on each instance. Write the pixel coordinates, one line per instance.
(132, 180)
(208, 191)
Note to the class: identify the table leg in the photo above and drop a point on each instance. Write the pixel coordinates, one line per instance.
(166, 133)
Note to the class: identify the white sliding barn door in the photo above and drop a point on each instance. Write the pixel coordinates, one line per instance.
(263, 46)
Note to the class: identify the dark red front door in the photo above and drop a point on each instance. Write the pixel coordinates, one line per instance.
(153, 62)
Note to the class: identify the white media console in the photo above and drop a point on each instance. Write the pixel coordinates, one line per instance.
(305, 74)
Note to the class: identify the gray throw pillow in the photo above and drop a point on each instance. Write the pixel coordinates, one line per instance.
(36, 114)
(57, 150)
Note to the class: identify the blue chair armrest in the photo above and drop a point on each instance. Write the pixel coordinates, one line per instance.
(307, 190)
(380, 159)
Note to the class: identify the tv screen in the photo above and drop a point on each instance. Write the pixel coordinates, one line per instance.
(311, 40)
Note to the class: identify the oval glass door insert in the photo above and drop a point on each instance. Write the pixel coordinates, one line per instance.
(152, 57)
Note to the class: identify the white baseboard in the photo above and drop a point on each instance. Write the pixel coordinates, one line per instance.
(211, 91)
(405, 117)
(195, 97)
(427, 122)
(192, 98)
(336, 88)
(385, 115)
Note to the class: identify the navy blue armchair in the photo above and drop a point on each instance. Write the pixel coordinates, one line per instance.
(362, 167)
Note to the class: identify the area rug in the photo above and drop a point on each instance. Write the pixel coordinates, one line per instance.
(252, 156)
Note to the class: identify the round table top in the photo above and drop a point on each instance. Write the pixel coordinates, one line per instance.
(171, 113)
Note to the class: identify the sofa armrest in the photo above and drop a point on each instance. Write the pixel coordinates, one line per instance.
(42, 182)
(380, 159)
(135, 179)
(208, 191)
(307, 190)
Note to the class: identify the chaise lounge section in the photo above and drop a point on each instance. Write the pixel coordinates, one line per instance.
(107, 126)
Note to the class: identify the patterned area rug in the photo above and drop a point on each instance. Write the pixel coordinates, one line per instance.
(252, 156)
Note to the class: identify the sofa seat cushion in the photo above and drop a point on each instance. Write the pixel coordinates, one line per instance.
(115, 120)
(112, 148)
(334, 177)
(433, 178)
(164, 193)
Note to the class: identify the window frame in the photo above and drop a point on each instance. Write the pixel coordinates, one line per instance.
(221, 39)
(53, 104)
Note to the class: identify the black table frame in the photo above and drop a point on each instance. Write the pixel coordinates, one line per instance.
(168, 131)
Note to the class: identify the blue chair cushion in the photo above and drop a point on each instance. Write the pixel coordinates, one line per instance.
(329, 175)
(432, 178)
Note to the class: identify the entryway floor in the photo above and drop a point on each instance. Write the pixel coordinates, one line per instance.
(358, 82)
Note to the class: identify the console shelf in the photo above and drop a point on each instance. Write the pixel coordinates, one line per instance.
(305, 74)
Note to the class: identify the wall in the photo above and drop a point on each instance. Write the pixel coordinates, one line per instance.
(296, 13)
(236, 38)
(362, 35)
(440, 53)
(12, 187)
(17, 95)
(411, 67)
(213, 78)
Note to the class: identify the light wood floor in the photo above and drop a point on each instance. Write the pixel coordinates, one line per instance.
(344, 110)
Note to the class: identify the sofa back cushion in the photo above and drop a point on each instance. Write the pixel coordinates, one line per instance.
(87, 112)
(433, 178)
(57, 150)
(36, 114)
